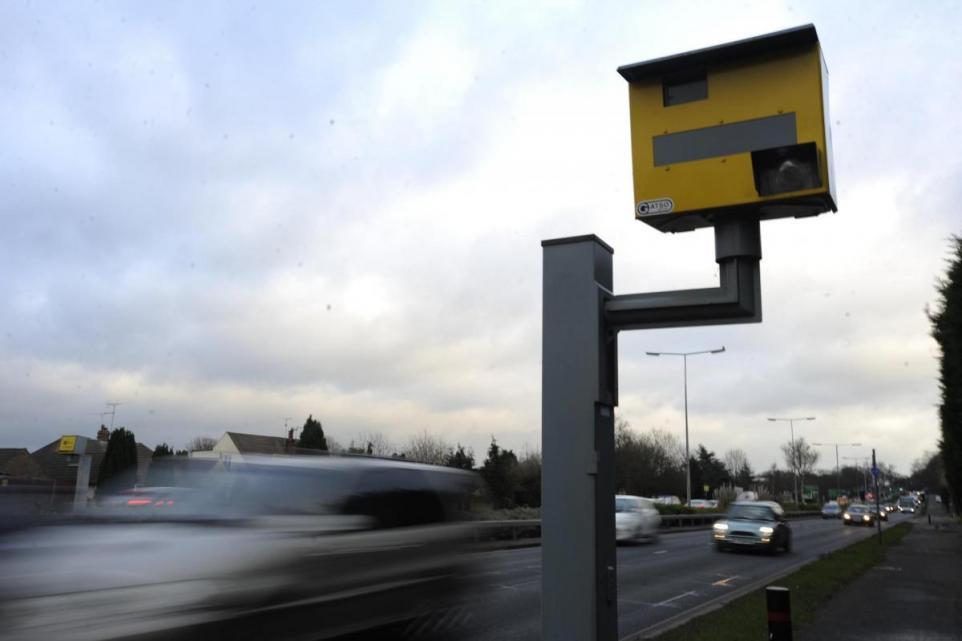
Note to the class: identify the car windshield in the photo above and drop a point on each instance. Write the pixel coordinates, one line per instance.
(751, 513)
(858, 509)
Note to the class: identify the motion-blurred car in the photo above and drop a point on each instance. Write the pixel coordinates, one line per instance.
(272, 548)
(703, 504)
(831, 510)
(636, 518)
(753, 524)
(858, 514)
(908, 504)
(881, 511)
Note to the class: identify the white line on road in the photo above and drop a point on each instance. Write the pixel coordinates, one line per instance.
(675, 598)
(662, 552)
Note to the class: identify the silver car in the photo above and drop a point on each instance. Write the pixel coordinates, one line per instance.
(636, 518)
(753, 524)
(277, 548)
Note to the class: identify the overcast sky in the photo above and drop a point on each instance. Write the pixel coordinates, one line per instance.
(221, 215)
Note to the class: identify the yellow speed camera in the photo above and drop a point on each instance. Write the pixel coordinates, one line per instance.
(738, 128)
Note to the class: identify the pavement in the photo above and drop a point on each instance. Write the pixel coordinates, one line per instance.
(914, 594)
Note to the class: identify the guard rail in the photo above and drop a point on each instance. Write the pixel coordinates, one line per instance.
(531, 528)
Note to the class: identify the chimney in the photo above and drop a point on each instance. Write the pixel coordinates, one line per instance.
(103, 434)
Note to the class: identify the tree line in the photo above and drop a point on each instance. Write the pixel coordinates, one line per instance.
(648, 463)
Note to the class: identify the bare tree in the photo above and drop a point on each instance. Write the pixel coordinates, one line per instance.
(648, 463)
(426, 448)
(201, 444)
(333, 445)
(800, 457)
(373, 443)
(734, 460)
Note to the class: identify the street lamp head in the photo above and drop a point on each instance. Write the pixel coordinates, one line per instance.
(773, 419)
(718, 351)
(653, 353)
(809, 418)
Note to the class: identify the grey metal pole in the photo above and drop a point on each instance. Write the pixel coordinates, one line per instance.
(838, 476)
(687, 453)
(791, 425)
(579, 393)
(83, 483)
(878, 506)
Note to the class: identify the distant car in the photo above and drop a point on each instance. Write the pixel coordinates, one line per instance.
(859, 515)
(753, 524)
(882, 512)
(831, 510)
(702, 504)
(666, 499)
(908, 504)
(635, 518)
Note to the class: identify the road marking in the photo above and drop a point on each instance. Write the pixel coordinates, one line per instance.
(724, 582)
(889, 568)
(662, 552)
(666, 602)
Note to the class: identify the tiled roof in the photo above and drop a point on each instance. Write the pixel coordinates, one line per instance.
(257, 444)
(55, 465)
(9, 453)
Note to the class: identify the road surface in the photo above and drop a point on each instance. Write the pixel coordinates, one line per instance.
(656, 581)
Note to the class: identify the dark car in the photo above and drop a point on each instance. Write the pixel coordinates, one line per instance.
(279, 548)
(753, 524)
(859, 515)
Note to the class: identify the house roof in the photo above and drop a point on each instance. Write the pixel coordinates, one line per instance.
(257, 444)
(54, 466)
(9, 453)
(21, 466)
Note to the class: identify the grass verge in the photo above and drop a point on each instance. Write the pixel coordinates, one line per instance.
(811, 587)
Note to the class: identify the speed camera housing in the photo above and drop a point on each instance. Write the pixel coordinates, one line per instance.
(740, 128)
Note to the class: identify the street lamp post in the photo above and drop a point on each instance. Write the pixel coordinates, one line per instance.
(791, 424)
(685, 356)
(838, 470)
(858, 466)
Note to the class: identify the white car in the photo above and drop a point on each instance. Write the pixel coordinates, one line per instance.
(635, 518)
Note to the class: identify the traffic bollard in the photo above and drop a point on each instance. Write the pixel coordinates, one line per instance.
(779, 613)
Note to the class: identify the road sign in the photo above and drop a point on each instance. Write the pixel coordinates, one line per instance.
(67, 444)
(740, 127)
(875, 471)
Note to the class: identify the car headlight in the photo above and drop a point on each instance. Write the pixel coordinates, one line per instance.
(866, 518)
(720, 527)
(767, 531)
(846, 516)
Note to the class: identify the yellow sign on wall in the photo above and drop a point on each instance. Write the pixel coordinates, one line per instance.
(738, 128)
(67, 445)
